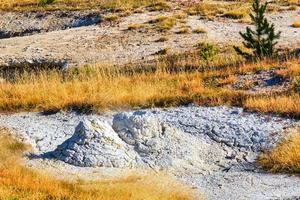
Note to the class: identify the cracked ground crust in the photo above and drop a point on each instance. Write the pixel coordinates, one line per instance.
(227, 170)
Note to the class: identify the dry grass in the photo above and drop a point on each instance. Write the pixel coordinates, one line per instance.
(282, 104)
(163, 23)
(200, 30)
(237, 14)
(162, 39)
(159, 6)
(172, 80)
(117, 5)
(17, 182)
(292, 69)
(296, 25)
(212, 9)
(98, 90)
(112, 18)
(182, 30)
(136, 26)
(285, 157)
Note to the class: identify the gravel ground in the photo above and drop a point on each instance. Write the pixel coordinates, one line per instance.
(112, 43)
(220, 146)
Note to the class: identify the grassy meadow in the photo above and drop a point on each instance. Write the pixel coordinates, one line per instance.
(171, 80)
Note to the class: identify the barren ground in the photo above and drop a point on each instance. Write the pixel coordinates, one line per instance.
(112, 42)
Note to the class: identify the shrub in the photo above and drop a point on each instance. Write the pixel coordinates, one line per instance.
(46, 2)
(207, 51)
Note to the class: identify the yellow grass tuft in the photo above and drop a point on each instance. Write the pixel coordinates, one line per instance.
(18, 182)
(200, 30)
(112, 18)
(162, 39)
(236, 14)
(164, 23)
(136, 26)
(296, 25)
(183, 30)
(285, 157)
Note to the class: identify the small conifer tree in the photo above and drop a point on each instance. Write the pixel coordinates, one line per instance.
(262, 40)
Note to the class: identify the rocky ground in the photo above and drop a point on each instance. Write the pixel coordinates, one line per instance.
(213, 149)
(77, 38)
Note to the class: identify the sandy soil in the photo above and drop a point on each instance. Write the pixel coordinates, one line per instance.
(112, 43)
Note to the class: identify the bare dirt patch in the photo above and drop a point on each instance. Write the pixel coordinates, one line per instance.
(113, 43)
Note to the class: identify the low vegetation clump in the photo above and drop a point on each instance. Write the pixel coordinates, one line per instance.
(293, 7)
(18, 182)
(285, 157)
(164, 23)
(162, 39)
(207, 51)
(111, 18)
(236, 14)
(183, 30)
(45, 2)
(296, 25)
(159, 6)
(136, 26)
(200, 30)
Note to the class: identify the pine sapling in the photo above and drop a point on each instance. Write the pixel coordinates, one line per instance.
(262, 40)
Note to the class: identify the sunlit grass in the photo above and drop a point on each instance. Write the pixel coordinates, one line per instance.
(281, 104)
(285, 157)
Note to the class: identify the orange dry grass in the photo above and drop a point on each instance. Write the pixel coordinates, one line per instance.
(17, 182)
(285, 157)
(296, 25)
(292, 69)
(285, 105)
(98, 90)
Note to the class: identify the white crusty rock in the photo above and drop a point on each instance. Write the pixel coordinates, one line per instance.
(159, 145)
(95, 143)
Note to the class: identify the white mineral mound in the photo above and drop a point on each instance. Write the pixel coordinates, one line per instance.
(134, 139)
(95, 143)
